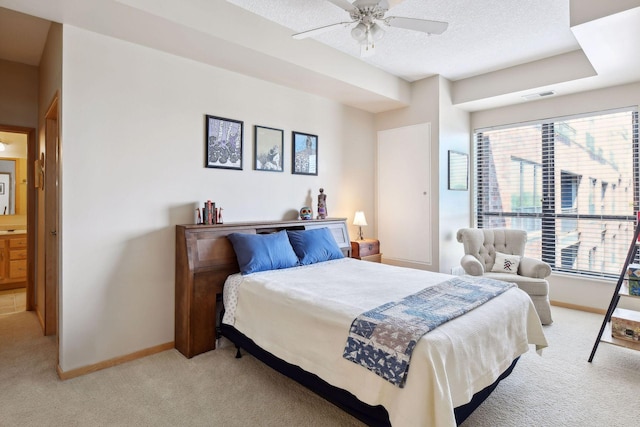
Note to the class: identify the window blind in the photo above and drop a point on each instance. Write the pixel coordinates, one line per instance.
(571, 182)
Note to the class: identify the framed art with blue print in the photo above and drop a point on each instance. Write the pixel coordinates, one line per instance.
(305, 154)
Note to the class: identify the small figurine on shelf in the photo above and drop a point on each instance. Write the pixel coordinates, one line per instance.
(219, 216)
(322, 204)
(305, 213)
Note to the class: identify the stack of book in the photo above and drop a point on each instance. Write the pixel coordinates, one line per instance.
(209, 214)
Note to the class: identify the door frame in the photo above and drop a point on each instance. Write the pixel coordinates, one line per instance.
(50, 162)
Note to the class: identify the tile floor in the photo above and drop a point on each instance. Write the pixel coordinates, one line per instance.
(13, 301)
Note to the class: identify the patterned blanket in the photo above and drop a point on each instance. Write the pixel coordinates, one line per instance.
(382, 340)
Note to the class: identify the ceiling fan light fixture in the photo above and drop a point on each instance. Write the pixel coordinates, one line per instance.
(368, 15)
(376, 32)
(359, 32)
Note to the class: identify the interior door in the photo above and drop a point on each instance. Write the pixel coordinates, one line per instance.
(404, 194)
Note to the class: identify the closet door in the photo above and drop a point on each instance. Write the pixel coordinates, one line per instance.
(404, 194)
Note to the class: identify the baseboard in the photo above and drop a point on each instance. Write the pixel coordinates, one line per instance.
(578, 307)
(65, 375)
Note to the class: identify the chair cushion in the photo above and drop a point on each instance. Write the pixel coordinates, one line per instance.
(530, 285)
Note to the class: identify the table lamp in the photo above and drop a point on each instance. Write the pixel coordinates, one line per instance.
(359, 220)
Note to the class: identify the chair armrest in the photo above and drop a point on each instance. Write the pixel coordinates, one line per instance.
(531, 267)
(471, 265)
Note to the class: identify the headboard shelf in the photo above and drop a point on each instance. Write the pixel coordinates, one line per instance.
(205, 258)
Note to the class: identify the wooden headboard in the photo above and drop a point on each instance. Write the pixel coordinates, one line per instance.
(204, 260)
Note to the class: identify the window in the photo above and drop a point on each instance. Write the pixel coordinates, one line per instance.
(603, 195)
(528, 198)
(571, 182)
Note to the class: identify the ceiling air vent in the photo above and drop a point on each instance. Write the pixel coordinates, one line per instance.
(539, 95)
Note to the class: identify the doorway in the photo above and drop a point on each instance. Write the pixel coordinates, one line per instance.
(17, 219)
(40, 217)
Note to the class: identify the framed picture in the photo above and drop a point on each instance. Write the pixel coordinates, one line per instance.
(7, 200)
(223, 143)
(305, 154)
(268, 149)
(458, 171)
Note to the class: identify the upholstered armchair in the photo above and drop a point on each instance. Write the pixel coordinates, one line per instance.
(499, 254)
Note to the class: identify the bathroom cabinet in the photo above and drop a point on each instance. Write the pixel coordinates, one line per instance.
(13, 260)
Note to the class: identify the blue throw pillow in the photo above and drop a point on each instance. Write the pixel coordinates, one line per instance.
(315, 245)
(261, 252)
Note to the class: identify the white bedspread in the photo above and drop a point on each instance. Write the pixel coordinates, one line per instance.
(303, 314)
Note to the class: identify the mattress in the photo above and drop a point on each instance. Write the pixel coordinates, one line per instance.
(302, 315)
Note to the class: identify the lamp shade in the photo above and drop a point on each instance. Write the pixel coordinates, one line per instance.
(359, 219)
(359, 32)
(376, 32)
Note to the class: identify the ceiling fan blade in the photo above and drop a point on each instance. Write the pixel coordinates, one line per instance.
(319, 30)
(343, 4)
(388, 4)
(423, 25)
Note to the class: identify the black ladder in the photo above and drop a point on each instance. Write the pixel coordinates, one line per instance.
(616, 294)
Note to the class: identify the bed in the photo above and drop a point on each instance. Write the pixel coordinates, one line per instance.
(297, 320)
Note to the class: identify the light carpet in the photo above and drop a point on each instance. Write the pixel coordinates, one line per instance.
(559, 388)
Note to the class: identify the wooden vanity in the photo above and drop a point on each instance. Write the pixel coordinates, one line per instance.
(13, 260)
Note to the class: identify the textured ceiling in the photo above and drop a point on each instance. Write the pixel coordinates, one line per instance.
(483, 36)
(494, 53)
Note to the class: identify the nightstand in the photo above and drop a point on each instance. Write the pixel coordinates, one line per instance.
(366, 249)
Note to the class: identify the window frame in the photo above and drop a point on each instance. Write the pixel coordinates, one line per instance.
(548, 216)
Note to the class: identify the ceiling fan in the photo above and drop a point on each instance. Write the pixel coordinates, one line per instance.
(368, 15)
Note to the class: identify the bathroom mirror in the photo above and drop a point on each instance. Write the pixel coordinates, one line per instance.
(13, 173)
(7, 194)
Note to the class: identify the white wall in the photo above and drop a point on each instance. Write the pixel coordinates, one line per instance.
(455, 205)
(564, 288)
(132, 166)
(450, 210)
(584, 102)
(424, 109)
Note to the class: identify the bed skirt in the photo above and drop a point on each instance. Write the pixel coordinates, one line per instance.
(370, 415)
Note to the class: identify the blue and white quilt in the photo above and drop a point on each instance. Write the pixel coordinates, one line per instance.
(383, 339)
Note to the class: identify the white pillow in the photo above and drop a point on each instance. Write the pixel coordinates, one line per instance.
(506, 263)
